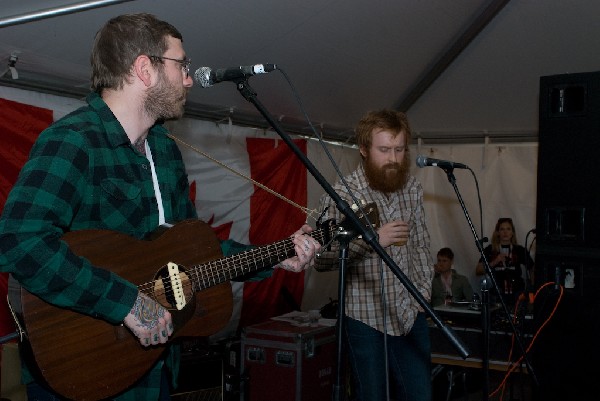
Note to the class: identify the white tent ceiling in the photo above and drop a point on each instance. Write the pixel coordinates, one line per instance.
(462, 70)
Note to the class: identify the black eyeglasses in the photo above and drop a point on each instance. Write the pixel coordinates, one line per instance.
(185, 63)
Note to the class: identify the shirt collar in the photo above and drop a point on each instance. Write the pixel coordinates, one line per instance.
(117, 136)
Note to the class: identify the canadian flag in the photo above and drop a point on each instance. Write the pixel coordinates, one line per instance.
(20, 125)
(250, 187)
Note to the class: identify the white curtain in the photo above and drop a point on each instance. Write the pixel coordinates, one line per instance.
(506, 174)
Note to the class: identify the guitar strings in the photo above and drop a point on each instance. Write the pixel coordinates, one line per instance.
(214, 272)
(217, 271)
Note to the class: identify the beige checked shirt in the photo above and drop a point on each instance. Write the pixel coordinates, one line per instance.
(366, 271)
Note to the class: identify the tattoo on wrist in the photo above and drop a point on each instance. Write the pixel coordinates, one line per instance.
(146, 312)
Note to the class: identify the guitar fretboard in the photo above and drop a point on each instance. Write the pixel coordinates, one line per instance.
(228, 268)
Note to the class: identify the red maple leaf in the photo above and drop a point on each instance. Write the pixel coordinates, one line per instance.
(193, 193)
(224, 230)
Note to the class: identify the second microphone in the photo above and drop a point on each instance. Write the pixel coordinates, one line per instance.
(423, 161)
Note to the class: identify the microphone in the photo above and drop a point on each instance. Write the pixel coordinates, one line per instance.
(423, 161)
(206, 77)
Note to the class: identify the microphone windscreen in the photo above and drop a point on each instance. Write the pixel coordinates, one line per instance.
(202, 76)
(421, 161)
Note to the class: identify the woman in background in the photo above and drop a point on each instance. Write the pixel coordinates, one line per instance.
(508, 260)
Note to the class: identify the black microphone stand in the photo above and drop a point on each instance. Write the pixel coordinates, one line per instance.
(368, 235)
(338, 389)
(485, 333)
(485, 313)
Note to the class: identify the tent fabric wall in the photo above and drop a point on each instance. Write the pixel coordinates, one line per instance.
(506, 174)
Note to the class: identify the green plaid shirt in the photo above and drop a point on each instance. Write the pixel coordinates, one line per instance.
(83, 173)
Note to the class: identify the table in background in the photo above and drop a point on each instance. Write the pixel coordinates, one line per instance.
(466, 324)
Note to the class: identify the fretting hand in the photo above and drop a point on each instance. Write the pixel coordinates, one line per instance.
(306, 248)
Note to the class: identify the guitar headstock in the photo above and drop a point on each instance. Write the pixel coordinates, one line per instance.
(367, 214)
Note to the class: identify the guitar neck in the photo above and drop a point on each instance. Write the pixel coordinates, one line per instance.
(229, 268)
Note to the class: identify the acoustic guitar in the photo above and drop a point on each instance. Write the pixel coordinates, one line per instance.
(85, 358)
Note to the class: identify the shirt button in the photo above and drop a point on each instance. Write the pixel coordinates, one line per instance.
(145, 166)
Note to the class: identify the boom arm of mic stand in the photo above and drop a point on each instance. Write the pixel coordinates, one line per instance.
(368, 235)
(488, 270)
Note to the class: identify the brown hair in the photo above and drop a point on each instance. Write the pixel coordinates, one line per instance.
(496, 236)
(446, 252)
(392, 120)
(120, 41)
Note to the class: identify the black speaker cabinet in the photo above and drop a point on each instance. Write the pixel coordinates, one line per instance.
(568, 187)
(568, 236)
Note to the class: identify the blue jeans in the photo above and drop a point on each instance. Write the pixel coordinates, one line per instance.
(409, 362)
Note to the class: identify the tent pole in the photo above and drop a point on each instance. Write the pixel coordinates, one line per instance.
(56, 11)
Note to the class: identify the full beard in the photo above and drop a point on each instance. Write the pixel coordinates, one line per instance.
(389, 178)
(164, 102)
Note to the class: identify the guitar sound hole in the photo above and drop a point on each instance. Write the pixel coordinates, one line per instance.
(166, 291)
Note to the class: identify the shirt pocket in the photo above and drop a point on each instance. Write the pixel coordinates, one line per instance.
(120, 189)
(122, 206)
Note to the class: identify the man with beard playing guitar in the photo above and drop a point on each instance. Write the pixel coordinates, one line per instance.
(110, 165)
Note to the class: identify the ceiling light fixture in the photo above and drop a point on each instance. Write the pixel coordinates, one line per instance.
(12, 61)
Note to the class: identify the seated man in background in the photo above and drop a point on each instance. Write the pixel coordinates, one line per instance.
(447, 283)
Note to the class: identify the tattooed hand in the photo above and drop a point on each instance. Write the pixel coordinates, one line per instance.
(149, 321)
(306, 248)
